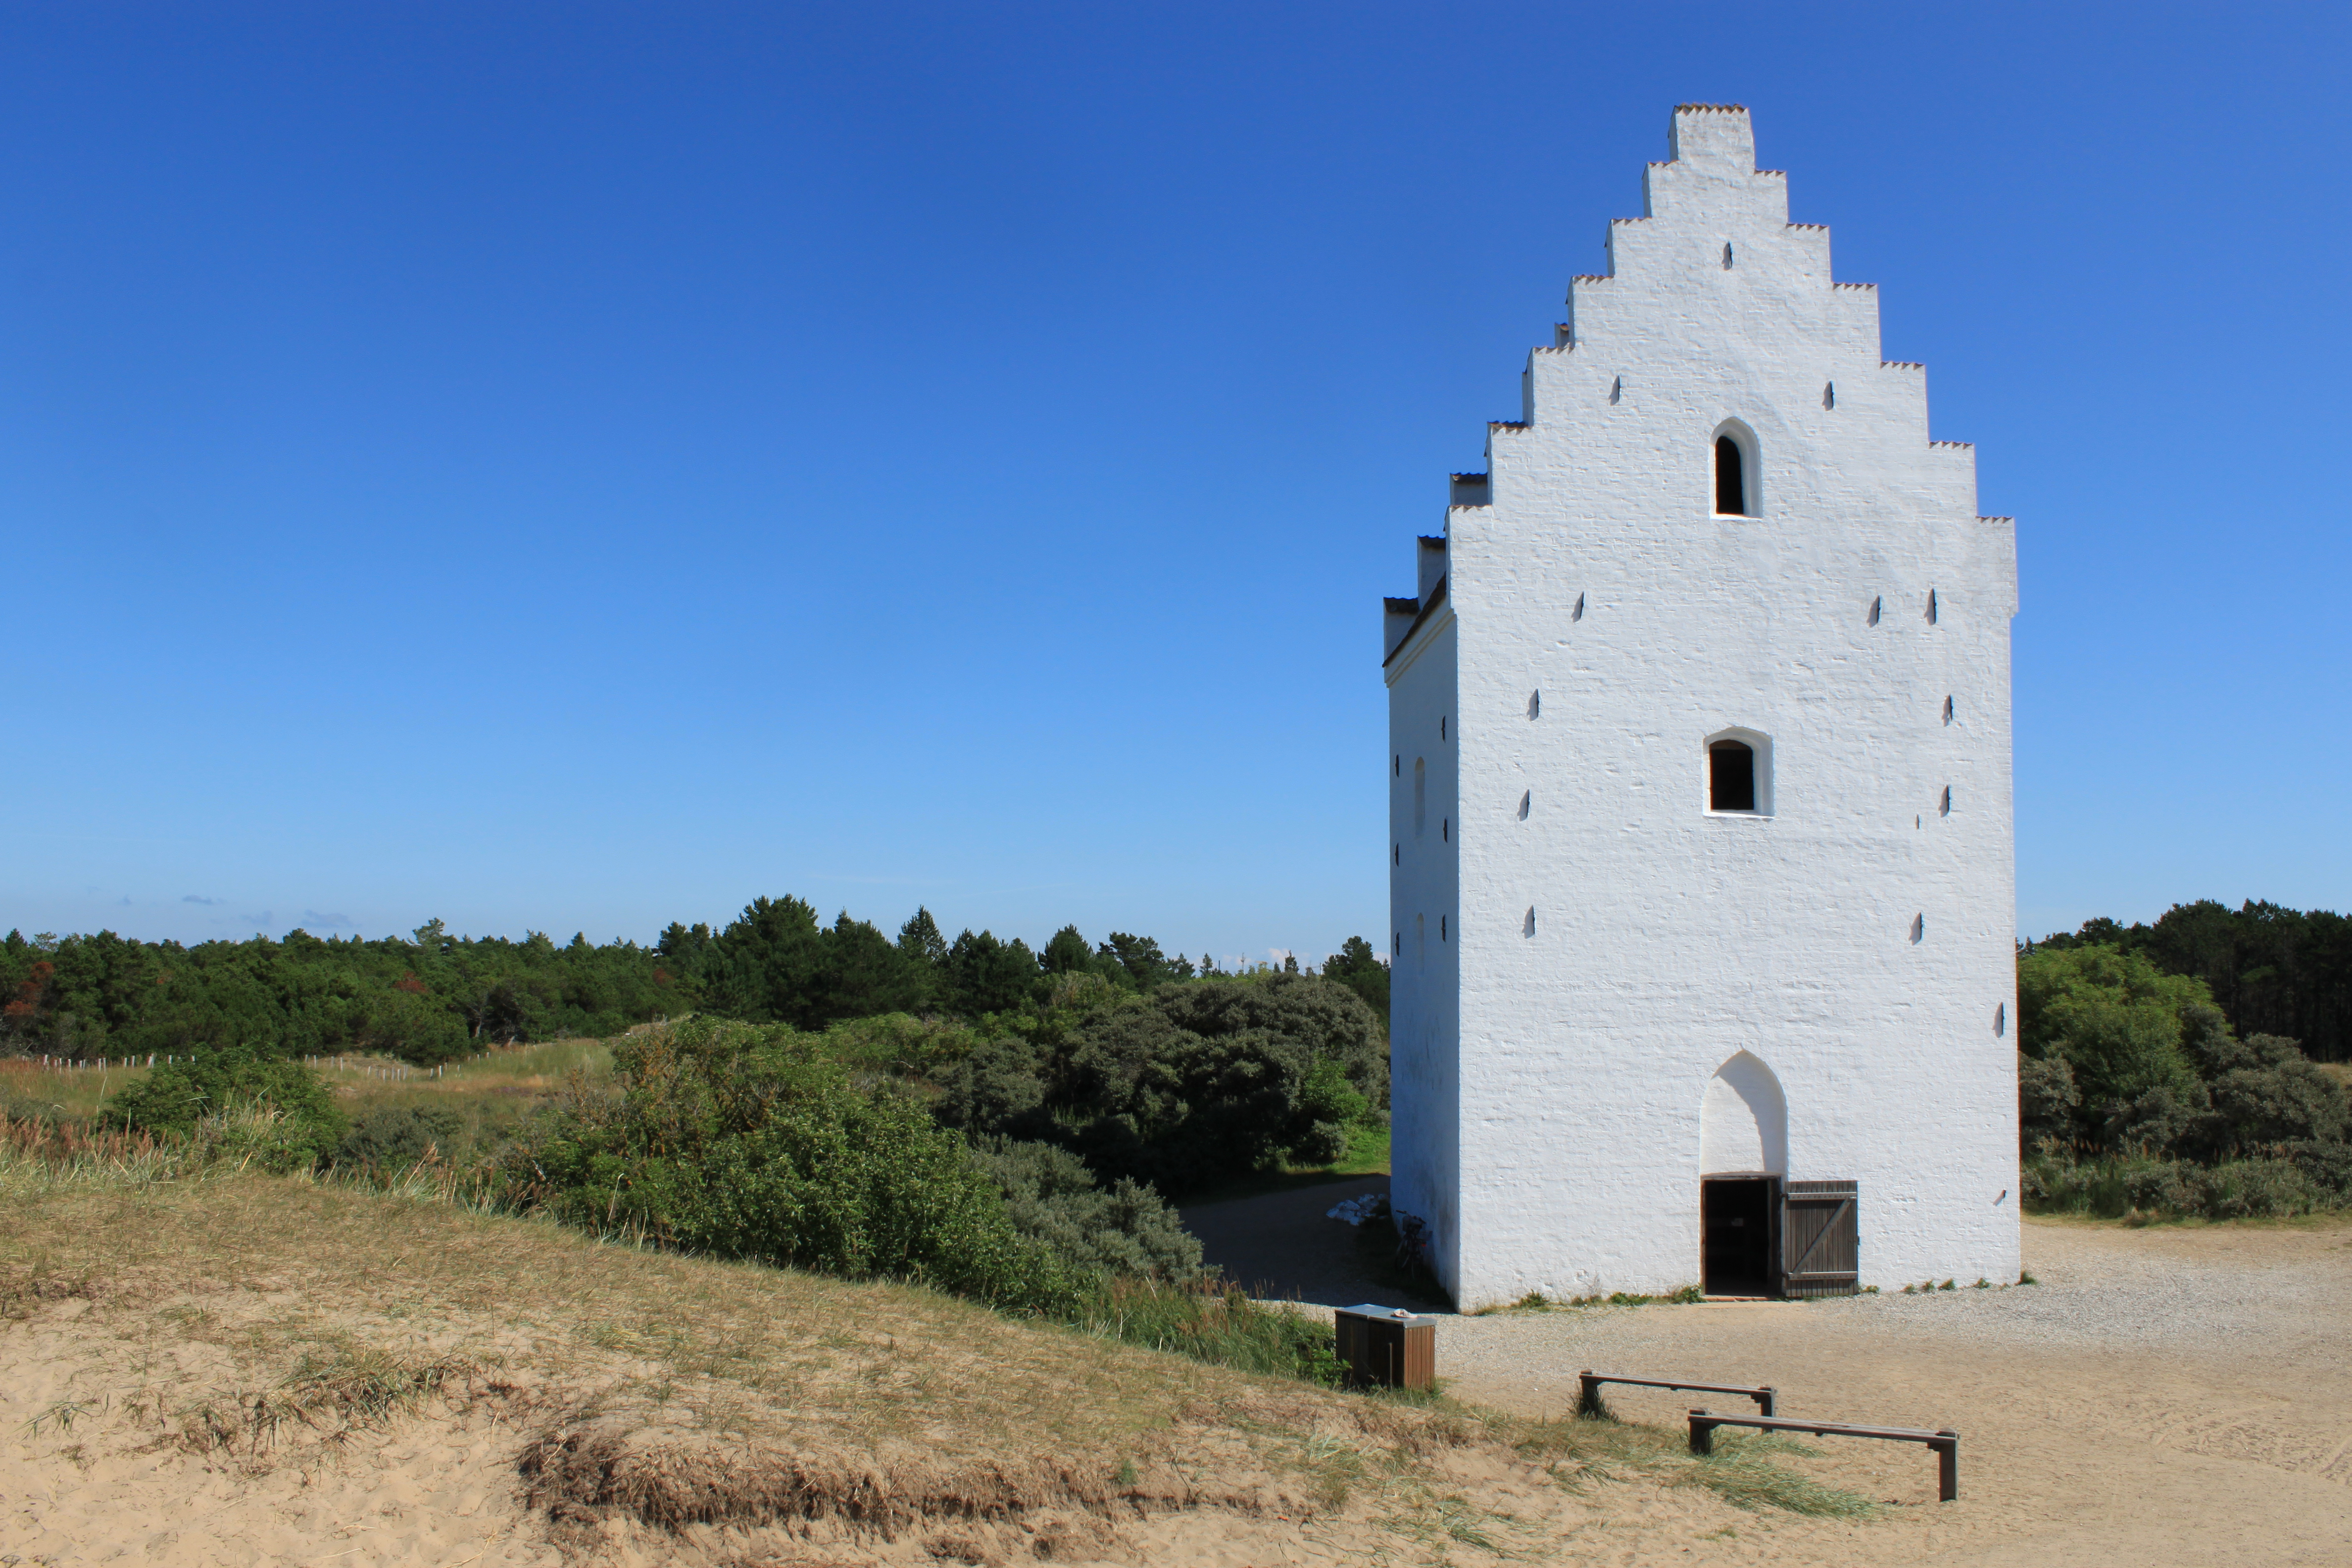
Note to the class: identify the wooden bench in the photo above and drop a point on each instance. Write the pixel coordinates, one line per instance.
(1588, 1399)
(1946, 1443)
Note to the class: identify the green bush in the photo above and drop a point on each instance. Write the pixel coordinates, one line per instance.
(1052, 1197)
(176, 1095)
(1187, 1086)
(414, 1029)
(393, 1136)
(2119, 1185)
(737, 1140)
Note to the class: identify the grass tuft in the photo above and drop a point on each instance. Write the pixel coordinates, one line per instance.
(1580, 1450)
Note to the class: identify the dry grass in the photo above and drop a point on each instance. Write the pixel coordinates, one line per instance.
(490, 1092)
(259, 1321)
(259, 1316)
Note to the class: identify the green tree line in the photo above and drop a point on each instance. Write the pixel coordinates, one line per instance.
(2271, 970)
(433, 996)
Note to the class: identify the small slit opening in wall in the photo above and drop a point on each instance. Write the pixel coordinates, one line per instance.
(1528, 929)
(1727, 256)
(1445, 824)
(1875, 605)
(1440, 928)
(1535, 704)
(1577, 614)
(1400, 764)
(2000, 1019)
(1525, 801)
(1918, 928)
(1931, 607)
(1617, 389)
(1396, 854)
(1829, 395)
(1441, 728)
(1399, 944)
(1946, 809)
(1948, 710)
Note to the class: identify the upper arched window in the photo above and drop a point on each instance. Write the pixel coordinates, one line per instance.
(1730, 479)
(1731, 777)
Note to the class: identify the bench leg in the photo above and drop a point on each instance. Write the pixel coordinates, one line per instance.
(1764, 1397)
(1588, 1397)
(1948, 1467)
(1702, 1433)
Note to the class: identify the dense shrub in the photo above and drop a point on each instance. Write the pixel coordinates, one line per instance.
(2114, 1018)
(737, 1140)
(413, 1027)
(392, 1136)
(176, 1095)
(1126, 1229)
(1188, 1085)
(2115, 1186)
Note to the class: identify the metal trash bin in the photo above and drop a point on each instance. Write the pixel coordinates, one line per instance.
(1386, 1347)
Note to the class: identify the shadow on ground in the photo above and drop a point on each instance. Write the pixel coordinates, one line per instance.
(1281, 1246)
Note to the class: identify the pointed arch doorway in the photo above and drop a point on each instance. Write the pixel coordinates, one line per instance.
(1743, 1157)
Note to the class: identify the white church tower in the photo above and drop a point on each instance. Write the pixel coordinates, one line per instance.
(1701, 867)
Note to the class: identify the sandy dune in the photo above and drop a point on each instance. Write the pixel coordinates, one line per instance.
(2162, 1396)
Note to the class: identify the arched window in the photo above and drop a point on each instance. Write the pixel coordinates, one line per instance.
(1731, 777)
(1730, 479)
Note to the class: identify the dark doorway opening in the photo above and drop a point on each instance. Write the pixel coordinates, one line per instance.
(1736, 1213)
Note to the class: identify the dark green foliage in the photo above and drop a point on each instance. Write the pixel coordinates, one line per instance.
(2272, 970)
(1189, 1085)
(741, 1141)
(393, 1137)
(1137, 960)
(426, 999)
(919, 940)
(985, 976)
(2115, 1185)
(1067, 952)
(2114, 1018)
(177, 1095)
(1360, 969)
(1126, 1229)
(2179, 1115)
(414, 1027)
(2047, 1098)
(776, 964)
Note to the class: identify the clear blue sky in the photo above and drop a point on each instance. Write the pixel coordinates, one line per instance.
(575, 467)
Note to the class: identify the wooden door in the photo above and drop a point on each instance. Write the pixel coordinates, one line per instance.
(1821, 1239)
